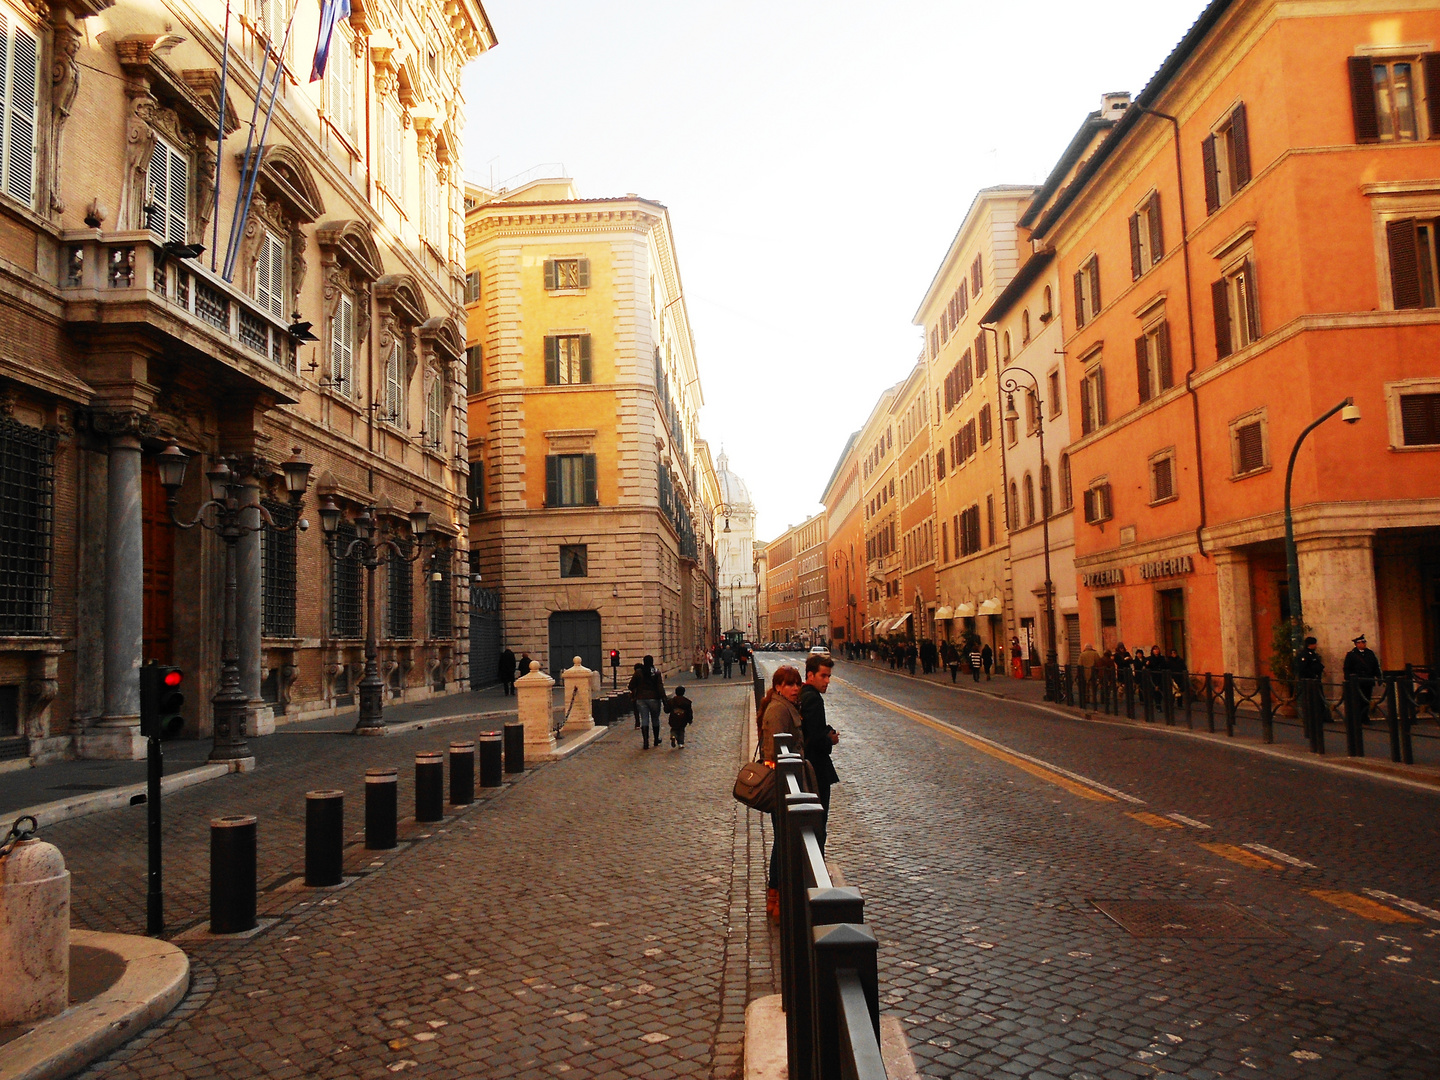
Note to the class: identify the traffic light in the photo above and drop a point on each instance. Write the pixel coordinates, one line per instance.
(160, 701)
(614, 657)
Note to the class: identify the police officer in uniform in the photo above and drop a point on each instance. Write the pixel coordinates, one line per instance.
(1362, 669)
(1310, 670)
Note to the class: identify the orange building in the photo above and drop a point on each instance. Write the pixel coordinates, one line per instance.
(915, 487)
(1233, 274)
(879, 516)
(845, 546)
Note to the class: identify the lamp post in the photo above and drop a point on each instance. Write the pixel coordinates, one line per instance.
(226, 486)
(374, 542)
(1350, 413)
(736, 584)
(838, 558)
(1009, 384)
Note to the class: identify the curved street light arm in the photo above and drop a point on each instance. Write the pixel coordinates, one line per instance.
(1292, 558)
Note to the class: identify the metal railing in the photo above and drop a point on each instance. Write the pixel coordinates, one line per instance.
(828, 956)
(1401, 700)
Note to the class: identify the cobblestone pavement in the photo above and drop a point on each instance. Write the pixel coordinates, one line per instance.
(589, 920)
(980, 870)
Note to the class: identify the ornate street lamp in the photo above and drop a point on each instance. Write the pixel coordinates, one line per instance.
(226, 487)
(374, 542)
(1009, 384)
(836, 560)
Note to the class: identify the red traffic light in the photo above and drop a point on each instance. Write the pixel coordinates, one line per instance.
(173, 677)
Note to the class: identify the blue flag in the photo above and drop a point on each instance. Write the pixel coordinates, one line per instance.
(331, 12)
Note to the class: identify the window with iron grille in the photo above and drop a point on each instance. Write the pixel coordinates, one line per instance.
(27, 500)
(277, 573)
(344, 586)
(400, 592)
(442, 615)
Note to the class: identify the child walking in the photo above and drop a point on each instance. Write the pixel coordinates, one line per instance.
(682, 714)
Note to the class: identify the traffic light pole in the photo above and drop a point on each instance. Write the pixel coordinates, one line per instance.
(154, 894)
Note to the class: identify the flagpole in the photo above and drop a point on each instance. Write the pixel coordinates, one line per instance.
(245, 158)
(220, 139)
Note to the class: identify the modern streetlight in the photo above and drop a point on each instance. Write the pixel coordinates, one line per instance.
(226, 487)
(374, 542)
(1009, 384)
(1350, 413)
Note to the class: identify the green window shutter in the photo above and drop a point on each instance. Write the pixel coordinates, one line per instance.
(592, 497)
(1221, 303)
(1167, 374)
(1095, 285)
(1404, 263)
(1240, 136)
(1135, 268)
(552, 480)
(552, 361)
(1157, 235)
(1212, 175)
(1252, 309)
(1102, 409)
(584, 274)
(1362, 98)
(585, 358)
(1079, 299)
(1142, 368)
(549, 274)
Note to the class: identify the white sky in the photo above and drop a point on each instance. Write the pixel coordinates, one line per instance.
(817, 159)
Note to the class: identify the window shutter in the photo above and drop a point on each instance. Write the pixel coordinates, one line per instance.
(552, 361)
(1089, 501)
(158, 186)
(1420, 419)
(552, 480)
(1102, 413)
(1164, 481)
(1362, 99)
(1404, 263)
(549, 274)
(585, 358)
(1105, 510)
(1252, 306)
(177, 204)
(1157, 234)
(1135, 268)
(1087, 415)
(982, 355)
(1431, 63)
(1220, 300)
(1212, 175)
(1079, 300)
(583, 274)
(262, 272)
(1240, 136)
(1095, 302)
(20, 133)
(592, 497)
(1167, 373)
(1142, 368)
(1249, 447)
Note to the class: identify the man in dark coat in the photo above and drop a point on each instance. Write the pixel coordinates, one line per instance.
(819, 737)
(727, 658)
(1362, 669)
(506, 671)
(1310, 670)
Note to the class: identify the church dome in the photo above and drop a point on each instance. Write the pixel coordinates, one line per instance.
(733, 491)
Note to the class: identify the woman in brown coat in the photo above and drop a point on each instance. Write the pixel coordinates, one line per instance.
(779, 715)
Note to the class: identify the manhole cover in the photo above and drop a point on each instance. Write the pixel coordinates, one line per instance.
(1186, 919)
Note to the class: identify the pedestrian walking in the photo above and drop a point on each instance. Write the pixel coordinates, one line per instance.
(951, 656)
(743, 656)
(1017, 659)
(820, 737)
(928, 656)
(682, 715)
(975, 659)
(779, 715)
(727, 658)
(524, 664)
(506, 670)
(911, 655)
(987, 660)
(1088, 659)
(648, 687)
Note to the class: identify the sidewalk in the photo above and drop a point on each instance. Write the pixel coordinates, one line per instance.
(1289, 741)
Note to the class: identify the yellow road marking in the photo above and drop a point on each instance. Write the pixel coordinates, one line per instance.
(1155, 821)
(1359, 905)
(1242, 856)
(1048, 775)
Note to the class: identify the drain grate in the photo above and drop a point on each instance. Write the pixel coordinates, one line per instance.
(1186, 919)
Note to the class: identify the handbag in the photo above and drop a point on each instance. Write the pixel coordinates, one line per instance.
(755, 785)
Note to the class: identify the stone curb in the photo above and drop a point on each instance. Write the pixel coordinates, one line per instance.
(577, 742)
(157, 974)
(52, 813)
(405, 726)
(1419, 777)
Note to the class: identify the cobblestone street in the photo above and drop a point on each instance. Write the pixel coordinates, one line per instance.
(589, 920)
(981, 869)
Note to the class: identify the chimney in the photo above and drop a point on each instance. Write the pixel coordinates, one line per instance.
(1113, 105)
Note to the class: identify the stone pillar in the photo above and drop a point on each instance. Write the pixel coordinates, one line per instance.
(578, 683)
(1337, 593)
(118, 733)
(34, 933)
(259, 720)
(1237, 612)
(536, 707)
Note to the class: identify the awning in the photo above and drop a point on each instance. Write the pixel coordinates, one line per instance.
(946, 612)
(993, 606)
(965, 611)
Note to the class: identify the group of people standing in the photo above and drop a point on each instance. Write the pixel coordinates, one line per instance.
(1120, 662)
(722, 658)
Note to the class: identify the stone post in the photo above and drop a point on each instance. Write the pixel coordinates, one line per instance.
(577, 699)
(34, 933)
(118, 733)
(536, 707)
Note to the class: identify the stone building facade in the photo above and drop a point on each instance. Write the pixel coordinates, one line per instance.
(586, 512)
(734, 528)
(121, 339)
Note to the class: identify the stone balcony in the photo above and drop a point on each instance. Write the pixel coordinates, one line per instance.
(119, 280)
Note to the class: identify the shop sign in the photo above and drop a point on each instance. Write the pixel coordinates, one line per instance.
(1163, 568)
(1102, 579)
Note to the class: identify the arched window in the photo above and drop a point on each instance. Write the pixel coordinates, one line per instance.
(1014, 507)
(1047, 498)
(1067, 500)
(1049, 303)
(1025, 327)
(1029, 500)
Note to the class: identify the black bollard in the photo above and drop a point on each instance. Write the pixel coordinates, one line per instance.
(600, 711)
(324, 837)
(491, 758)
(429, 786)
(462, 773)
(381, 807)
(232, 874)
(514, 748)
